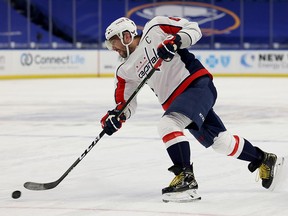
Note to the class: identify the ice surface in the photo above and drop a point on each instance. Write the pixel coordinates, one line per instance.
(45, 125)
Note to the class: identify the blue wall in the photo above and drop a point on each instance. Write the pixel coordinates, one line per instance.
(229, 24)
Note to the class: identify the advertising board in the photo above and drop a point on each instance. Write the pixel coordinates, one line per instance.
(101, 63)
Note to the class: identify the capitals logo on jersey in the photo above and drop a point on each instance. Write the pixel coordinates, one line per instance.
(144, 66)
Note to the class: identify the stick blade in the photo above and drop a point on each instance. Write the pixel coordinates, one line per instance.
(40, 186)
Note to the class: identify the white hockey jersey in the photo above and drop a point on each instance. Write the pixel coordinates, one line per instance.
(174, 76)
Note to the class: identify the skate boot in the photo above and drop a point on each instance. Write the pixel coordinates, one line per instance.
(183, 188)
(266, 168)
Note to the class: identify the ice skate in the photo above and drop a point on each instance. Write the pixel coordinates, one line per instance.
(183, 187)
(267, 168)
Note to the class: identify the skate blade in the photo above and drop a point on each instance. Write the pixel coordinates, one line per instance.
(278, 173)
(181, 197)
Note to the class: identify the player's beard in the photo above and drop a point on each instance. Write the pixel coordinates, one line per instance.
(123, 53)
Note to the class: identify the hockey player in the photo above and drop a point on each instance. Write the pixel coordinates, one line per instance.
(187, 94)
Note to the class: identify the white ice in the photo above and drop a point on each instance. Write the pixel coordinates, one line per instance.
(45, 125)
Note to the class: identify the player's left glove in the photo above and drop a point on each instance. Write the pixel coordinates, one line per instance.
(110, 123)
(167, 49)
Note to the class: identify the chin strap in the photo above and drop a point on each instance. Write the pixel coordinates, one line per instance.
(127, 50)
(127, 45)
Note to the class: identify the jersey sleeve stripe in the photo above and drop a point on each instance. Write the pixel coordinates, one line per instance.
(119, 91)
(168, 29)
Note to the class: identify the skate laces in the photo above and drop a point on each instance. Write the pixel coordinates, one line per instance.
(180, 179)
(264, 172)
(177, 179)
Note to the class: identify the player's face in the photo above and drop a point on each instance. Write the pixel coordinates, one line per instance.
(118, 47)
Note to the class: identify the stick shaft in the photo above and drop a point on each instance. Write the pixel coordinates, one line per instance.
(51, 185)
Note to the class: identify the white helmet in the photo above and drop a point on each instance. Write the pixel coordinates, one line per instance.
(117, 28)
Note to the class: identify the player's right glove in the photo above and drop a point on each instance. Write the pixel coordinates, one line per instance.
(167, 49)
(110, 123)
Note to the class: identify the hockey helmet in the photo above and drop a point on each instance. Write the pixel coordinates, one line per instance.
(117, 28)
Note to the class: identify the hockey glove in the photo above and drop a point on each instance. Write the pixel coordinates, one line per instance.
(166, 50)
(110, 123)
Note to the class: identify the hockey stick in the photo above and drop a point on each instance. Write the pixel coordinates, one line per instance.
(51, 185)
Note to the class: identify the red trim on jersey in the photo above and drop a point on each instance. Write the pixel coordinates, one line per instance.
(119, 92)
(170, 29)
(172, 135)
(175, 18)
(236, 146)
(184, 85)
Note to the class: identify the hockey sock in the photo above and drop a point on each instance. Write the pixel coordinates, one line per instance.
(180, 153)
(250, 153)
